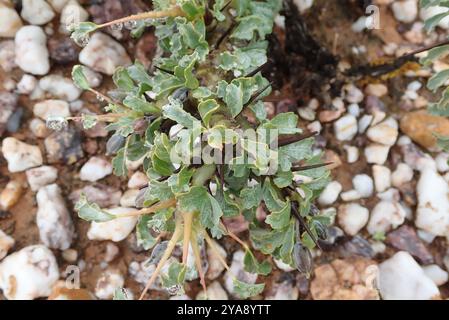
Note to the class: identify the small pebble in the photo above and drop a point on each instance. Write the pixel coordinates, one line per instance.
(10, 195)
(385, 132)
(29, 273)
(405, 11)
(377, 153)
(51, 108)
(20, 156)
(31, 50)
(330, 193)
(95, 169)
(386, 215)
(104, 54)
(10, 21)
(401, 175)
(382, 178)
(6, 243)
(60, 87)
(363, 184)
(345, 128)
(438, 275)
(37, 12)
(39, 128)
(107, 283)
(70, 255)
(350, 195)
(377, 90)
(26, 84)
(115, 230)
(41, 176)
(352, 217)
(53, 219)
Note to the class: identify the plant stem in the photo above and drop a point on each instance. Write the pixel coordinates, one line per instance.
(153, 208)
(104, 97)
(171, 245)
(188, 217)
(212, 245)
(234, 236)
(313, 166)
(173, 12)
(109, 117)
(196, 253)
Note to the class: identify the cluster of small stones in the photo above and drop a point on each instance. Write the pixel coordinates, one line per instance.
(389, 194)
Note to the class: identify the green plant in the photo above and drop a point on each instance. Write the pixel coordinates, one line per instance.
(438, 80)
(208, 83)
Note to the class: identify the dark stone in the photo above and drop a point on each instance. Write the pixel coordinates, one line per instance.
(373, 104)
(64, 146)
(63, 50)
(8, 104)
(286, 105)
(146, 49)
(13, 124)
(131, 240)
(357, 246)
(408, 193)
(303, 284)
(4, 214)
(406, 239)
(334, 235)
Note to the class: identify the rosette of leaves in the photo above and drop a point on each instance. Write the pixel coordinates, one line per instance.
(437, 83)
(207, 81)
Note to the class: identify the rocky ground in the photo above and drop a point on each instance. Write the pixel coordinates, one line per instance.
(390, 183)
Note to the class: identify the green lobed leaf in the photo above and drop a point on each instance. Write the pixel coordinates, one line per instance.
(438, 80)
(143, 233)
(79, 79)
(251, 196)
(246, 290)
(253, 266)
(90, 211)
(175, 275)
(175, 112)
(119, 163)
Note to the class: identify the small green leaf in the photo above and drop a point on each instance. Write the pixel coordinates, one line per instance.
(285, 123)
(206, 109)
(89, 121)
(251, 196)
(81, 32)
(246, 290)
(175, 112)
(121, 294)
(91, 211)
(253, 266)
(140, 105)
(122, 79)
(295, 152)
(234, 99)
(199, 200)
(379, 236)
(280, 218)
(144, 236)
(438, 80)
(175, 275)
(119, 163)
(434, 54)
(432, 22)
(443, 142)
(79, 78)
